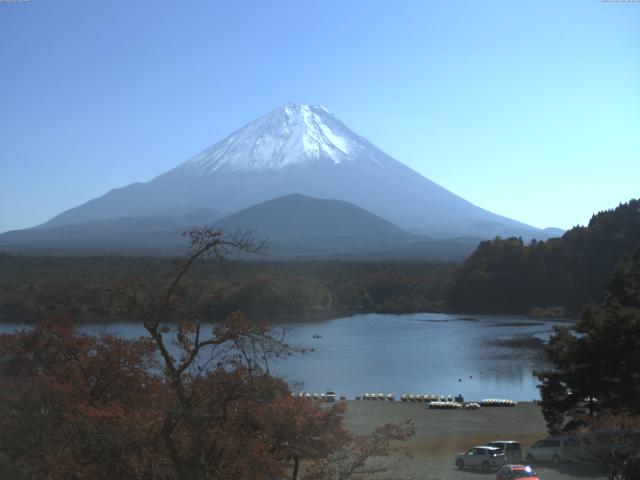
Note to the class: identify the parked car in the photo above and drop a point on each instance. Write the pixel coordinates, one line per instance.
(511, 449)
(329, 396)
(483, 457)
(509, 472)
(554, 449)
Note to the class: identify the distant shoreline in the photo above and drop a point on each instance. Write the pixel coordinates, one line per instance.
(315, 318)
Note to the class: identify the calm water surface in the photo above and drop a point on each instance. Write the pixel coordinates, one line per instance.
(477, 356)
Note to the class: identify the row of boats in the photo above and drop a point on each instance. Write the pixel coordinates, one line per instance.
(498, 402)
(429, 398)
(454, 405)
(328, 396)
(389, 397)
(434, 401)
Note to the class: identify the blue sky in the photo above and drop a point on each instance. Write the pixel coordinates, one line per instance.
(528, 109)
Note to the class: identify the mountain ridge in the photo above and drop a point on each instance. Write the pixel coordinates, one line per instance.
(301, 149)
(294, 226)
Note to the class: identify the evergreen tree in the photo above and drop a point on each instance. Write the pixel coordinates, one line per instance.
(596, 368)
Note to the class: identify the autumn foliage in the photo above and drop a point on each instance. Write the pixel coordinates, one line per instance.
(72, 406)
(192, 400)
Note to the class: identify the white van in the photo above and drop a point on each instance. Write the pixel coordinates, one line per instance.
(554, 449)
(511, 450)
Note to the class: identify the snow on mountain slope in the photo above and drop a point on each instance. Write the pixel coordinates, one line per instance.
(307, 150)
(292, 135)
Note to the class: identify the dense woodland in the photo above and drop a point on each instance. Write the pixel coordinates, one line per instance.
(37, 287)
(505, 275)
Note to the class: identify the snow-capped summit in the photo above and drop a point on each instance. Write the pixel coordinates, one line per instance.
(289, 135)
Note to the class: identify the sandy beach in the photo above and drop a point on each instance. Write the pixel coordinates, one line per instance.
(440, 434)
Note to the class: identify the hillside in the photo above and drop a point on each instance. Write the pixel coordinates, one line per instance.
(295, 227)
(298, 217)
(150, 236)
(507, 275)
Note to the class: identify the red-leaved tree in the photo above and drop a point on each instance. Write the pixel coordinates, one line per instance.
(193, 400)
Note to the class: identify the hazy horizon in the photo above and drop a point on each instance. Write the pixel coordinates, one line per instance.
(528, 111)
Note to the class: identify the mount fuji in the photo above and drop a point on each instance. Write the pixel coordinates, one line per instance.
(295, 149)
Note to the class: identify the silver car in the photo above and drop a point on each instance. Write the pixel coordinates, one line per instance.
(483, 457)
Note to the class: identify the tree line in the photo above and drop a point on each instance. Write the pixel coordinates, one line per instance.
(507, 275)
(32, 287)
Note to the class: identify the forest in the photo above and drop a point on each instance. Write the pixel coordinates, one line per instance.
(509, 276)
(36, 287)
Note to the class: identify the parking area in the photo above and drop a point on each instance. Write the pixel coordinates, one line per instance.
(425, 468)
(441, 434)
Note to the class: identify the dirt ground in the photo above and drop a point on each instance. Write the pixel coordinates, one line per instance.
(440, 434)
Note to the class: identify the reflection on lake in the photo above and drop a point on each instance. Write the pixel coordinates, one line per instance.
(478, 356)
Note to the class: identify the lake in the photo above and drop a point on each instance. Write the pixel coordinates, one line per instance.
(478, 356)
